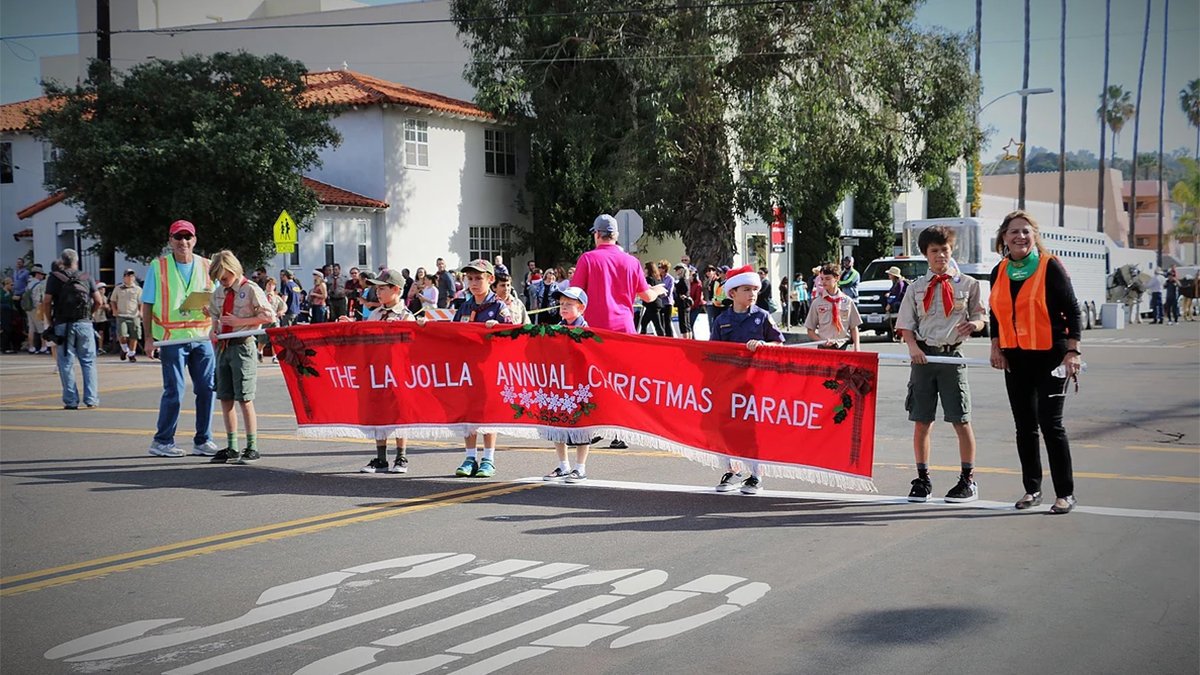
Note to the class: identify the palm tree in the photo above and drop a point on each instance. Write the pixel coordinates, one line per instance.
(1103, 107)
(1062, 116)
(1137, 123)
(1120, 109)
(1162, 109)
(1189, 100)
(1024, 117)
(1186, 194)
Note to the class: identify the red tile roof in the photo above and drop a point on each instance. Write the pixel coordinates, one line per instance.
(26, 233)
(331, 195)
(346, 87)
(39, 206)
(327, 194)
(335, 87)
(19, 116)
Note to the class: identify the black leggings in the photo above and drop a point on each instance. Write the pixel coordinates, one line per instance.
(1030, 386)
(651, 314)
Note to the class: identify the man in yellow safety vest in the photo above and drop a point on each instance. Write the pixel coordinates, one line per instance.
(169, 281)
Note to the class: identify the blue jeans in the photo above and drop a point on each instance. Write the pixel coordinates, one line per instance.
(78, 342)
(201, 363)
(1156, 307)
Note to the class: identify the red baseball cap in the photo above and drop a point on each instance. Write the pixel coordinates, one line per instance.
(182, 226)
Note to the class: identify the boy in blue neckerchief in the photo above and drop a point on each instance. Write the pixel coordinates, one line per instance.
(481, 306)
(748, 323)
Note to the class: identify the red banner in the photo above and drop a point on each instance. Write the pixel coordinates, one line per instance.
(803, 413)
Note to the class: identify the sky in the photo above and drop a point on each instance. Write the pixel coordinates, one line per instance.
(1001, 67)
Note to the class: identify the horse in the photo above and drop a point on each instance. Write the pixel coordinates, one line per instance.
(1126, 286)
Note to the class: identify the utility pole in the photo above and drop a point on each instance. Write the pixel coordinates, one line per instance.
(108, 255)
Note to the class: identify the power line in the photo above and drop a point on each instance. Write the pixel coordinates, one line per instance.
(412, 22)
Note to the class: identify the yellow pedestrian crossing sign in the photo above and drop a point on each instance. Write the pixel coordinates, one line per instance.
(285, 233)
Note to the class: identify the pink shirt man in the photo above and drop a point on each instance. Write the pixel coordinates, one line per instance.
(612, 279)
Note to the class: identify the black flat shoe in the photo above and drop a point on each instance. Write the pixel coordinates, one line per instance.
(1070, 499)
(1029, 501)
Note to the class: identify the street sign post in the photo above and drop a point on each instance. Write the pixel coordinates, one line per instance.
(629, 228)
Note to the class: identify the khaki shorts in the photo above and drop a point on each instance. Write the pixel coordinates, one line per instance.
(237, 371)
(129, 327)
(931, 381)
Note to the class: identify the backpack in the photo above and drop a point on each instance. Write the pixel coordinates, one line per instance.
(74, 299)
(27, 305)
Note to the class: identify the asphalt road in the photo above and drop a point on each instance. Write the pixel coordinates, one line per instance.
(115, 561)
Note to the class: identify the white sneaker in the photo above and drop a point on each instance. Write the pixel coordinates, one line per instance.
(165, 449)
(207, 449)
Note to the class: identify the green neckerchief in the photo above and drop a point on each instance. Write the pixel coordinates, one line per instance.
(1020, 270)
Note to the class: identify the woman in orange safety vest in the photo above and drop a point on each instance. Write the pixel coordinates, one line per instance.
(1035, 329)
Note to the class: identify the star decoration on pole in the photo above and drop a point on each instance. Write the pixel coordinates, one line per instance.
(1013, 149)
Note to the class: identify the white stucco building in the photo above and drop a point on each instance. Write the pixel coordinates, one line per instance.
(418, 176)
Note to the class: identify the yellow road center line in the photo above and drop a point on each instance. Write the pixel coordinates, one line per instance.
(58, 394)
(241, 533)
(375, 513)
(1164, 448)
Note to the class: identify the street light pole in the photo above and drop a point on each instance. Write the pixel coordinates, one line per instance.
(1024, 94)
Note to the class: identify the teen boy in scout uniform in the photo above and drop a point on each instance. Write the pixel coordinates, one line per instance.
(938, 312)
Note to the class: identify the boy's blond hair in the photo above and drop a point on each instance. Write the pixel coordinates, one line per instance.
(222, 262)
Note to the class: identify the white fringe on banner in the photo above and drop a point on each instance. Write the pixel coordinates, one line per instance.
(714, 460)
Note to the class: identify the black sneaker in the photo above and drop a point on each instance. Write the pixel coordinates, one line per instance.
(226, 456)
(751, 486)
(133, 358)
(399, 466)
(556, 474)
(575, 477)
(375, 466)
(729, 482)
(124, 356)
(965, 491)
(921, 489)
(618, 444)
(249, 456)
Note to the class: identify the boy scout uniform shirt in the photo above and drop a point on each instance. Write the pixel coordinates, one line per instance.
(755, 324)
(820, 317)
(490, 309)
(397, 312)
(128, 300)
(249, 301)
(934, 328)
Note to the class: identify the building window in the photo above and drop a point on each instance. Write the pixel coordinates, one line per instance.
(416, 143)
(328, 226)
(499, 153)
(50, 155)
(6, 162)
(488, 241)
(364, 234)
(1143, 241)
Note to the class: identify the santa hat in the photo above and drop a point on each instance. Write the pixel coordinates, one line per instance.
(742, 276)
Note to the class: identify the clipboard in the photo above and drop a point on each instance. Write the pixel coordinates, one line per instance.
(197, 300)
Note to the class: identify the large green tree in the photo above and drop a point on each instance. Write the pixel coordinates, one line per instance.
(220, 141)
(694, 112)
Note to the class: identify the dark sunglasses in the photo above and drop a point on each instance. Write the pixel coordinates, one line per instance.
(182, 236)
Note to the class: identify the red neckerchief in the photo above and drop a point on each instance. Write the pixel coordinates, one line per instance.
(942, 280)
(227, 307)
(835, 300)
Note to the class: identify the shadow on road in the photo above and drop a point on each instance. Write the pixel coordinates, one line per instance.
(579, 509)
(924, 625)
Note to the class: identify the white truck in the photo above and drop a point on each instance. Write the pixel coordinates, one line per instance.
(1089, 257)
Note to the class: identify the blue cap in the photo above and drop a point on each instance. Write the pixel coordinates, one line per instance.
(604, 224)
(573, 292)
